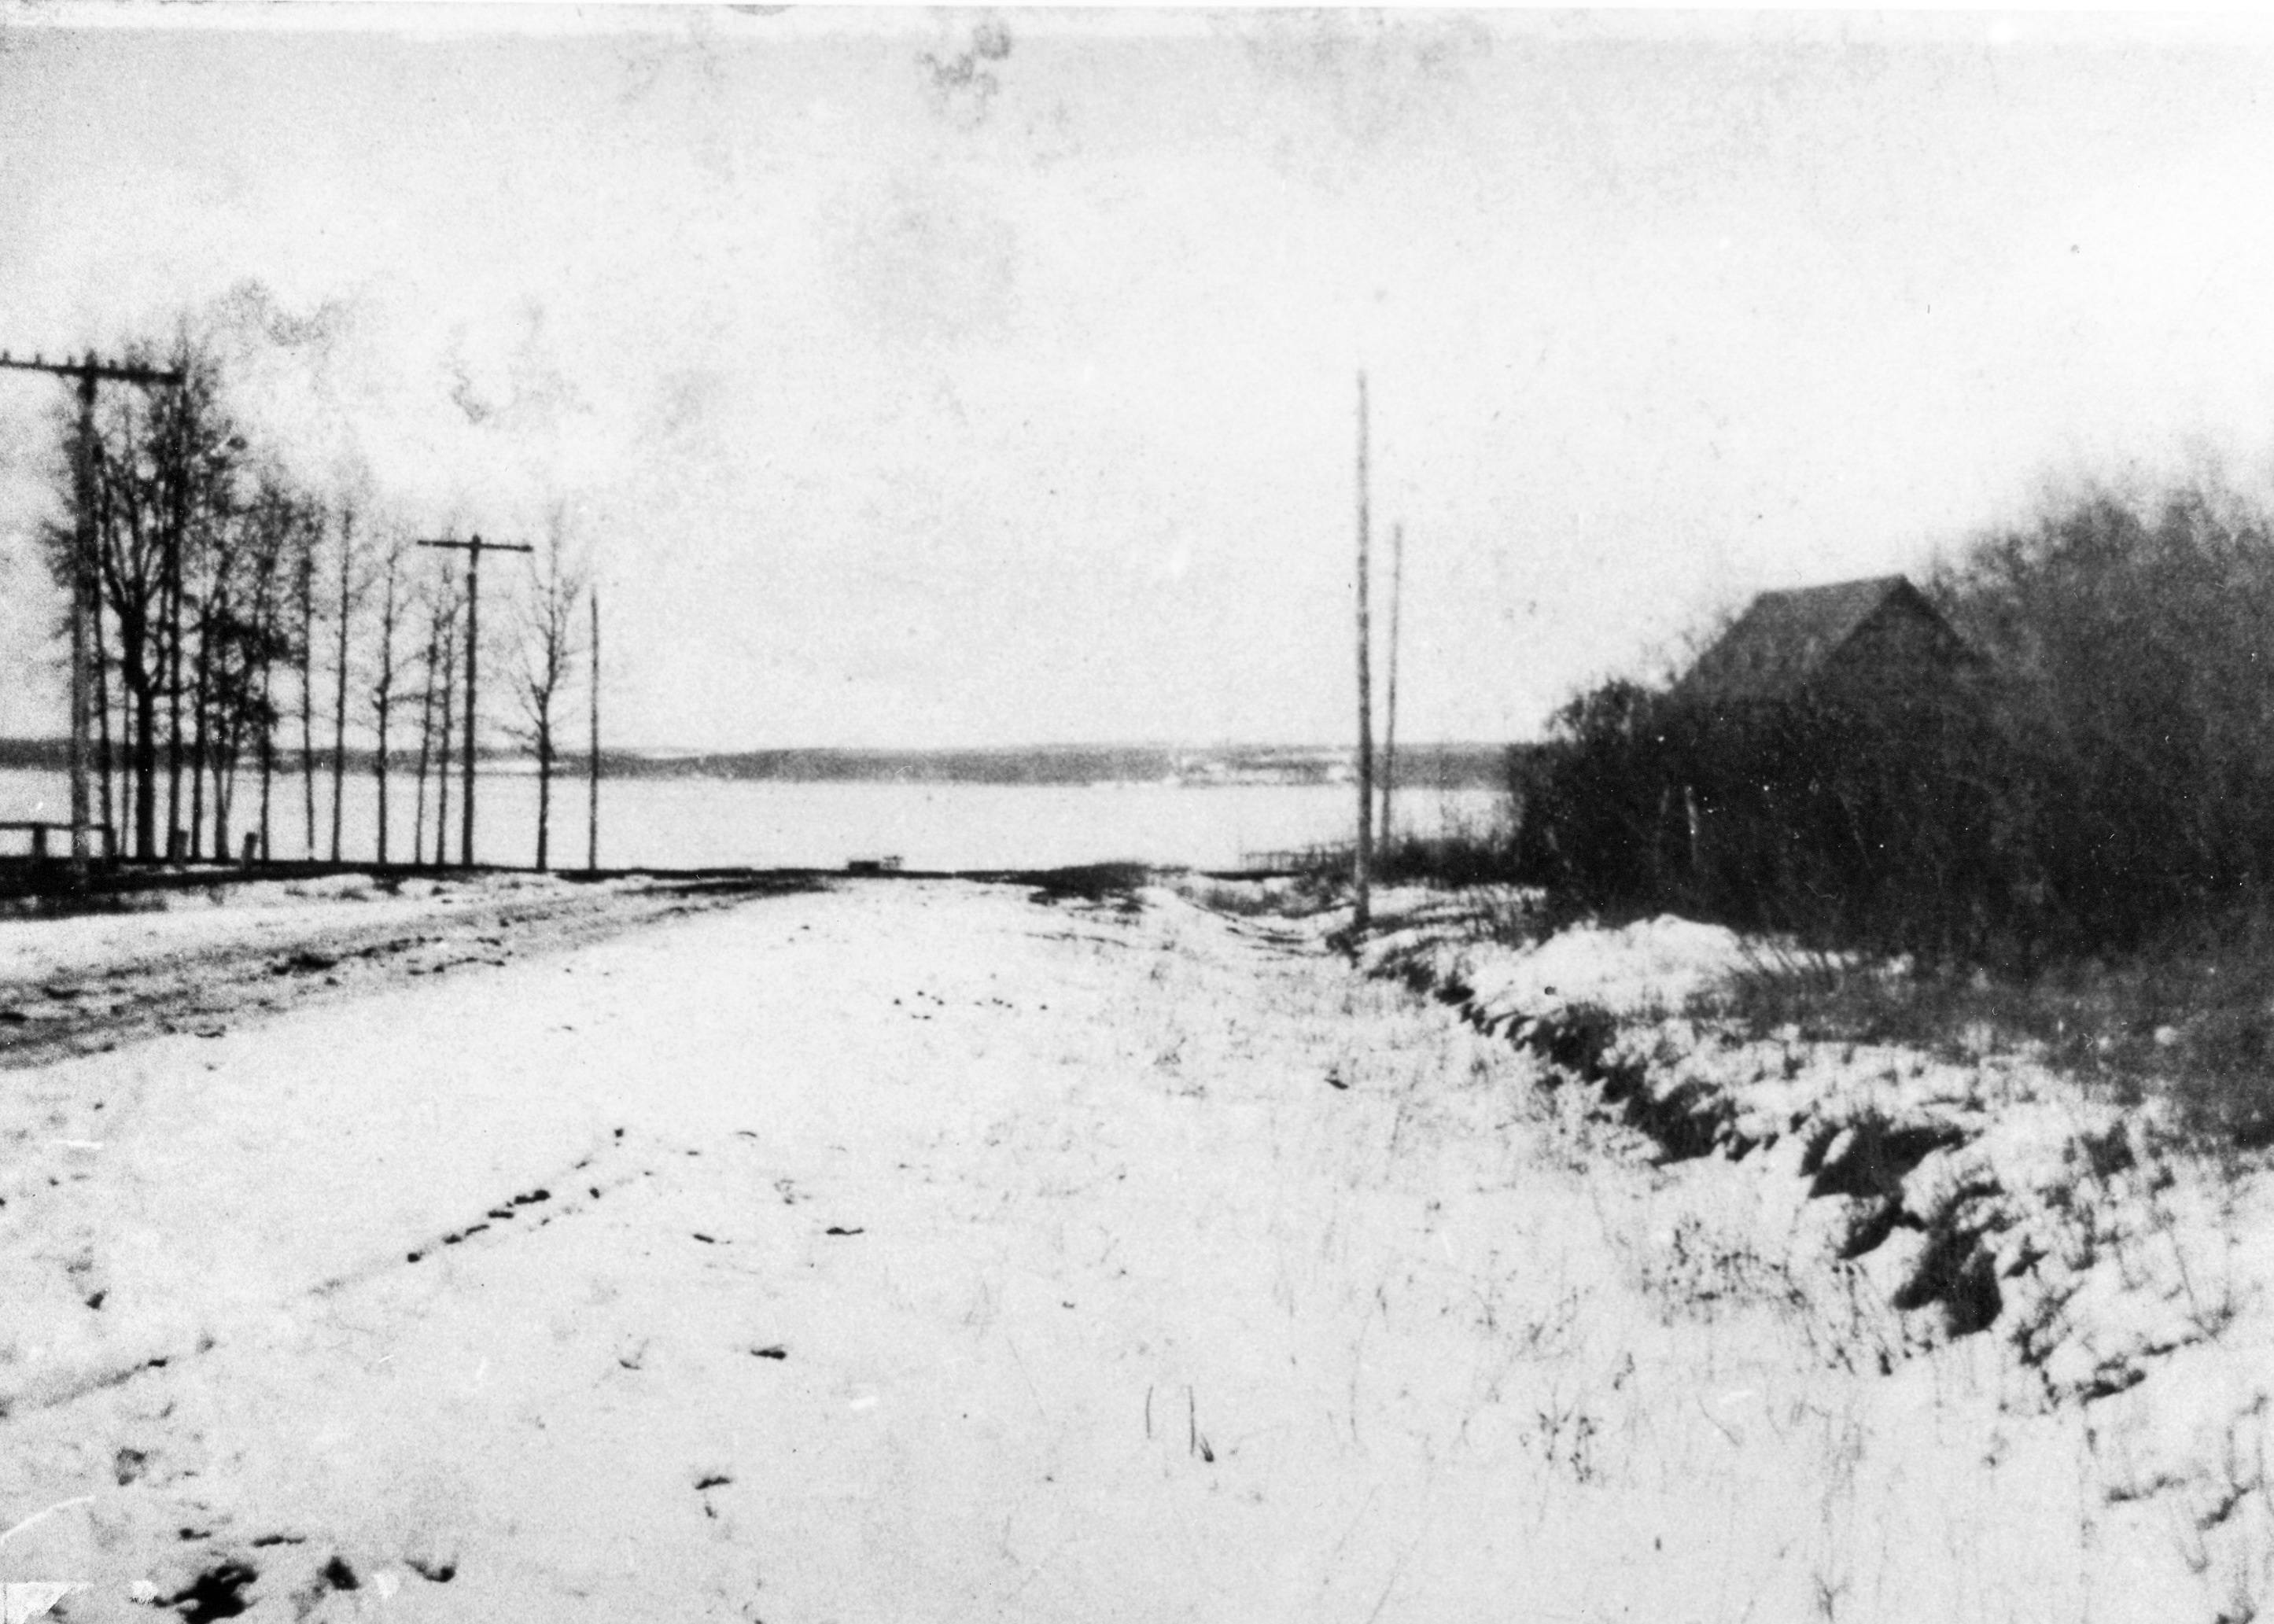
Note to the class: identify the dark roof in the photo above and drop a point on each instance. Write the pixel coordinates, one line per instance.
(1783, 639)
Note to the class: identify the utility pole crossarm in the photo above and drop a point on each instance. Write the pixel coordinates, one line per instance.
(103, 372)
(476, 545)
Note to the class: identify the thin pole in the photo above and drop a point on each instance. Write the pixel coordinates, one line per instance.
(384, 702)
(592, 766)
(177, 525)
(1389, 701)
(311, 533)
(82, 555)
(340, 676)
(267, 746)
(473, 654)
(442, 742)
(473, 547)
(426, 745)
(102, 753)
(1361, 910)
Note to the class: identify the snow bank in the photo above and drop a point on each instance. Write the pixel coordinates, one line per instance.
(1649, 967)
(2109, 1264)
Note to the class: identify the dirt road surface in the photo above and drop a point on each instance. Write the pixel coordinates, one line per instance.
(907, 1251)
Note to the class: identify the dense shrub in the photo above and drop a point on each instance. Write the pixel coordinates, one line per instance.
(2138, 711)
(1807, 817)
(2108, 769)
(1455, 857)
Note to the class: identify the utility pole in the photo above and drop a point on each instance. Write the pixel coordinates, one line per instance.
(1389, 701)
(88, 373)
(593, 766)
(473, 548)
(1361, 910)
(169, 595)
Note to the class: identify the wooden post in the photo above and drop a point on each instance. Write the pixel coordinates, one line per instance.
(473, 547)
(177, 527)
(1363, 865)
(1390, 699)
(340, 683)
(473, 657)
(82, 541)
(592, 764)
(442, 747)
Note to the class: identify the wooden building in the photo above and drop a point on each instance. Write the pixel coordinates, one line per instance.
(1874, 638)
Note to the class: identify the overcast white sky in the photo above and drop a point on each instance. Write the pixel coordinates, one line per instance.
(909, 407)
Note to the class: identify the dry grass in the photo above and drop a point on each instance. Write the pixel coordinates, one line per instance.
(1285, 897)
(2189, 1020)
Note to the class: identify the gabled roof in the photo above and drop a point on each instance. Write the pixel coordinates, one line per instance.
(1783, 639)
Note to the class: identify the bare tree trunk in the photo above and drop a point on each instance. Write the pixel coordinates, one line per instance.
(379, 773)
(547, 627)
(145, 772)
(443, 744)
(543, 788)
(177, 541)
(201, 718)
(102, 759)
(383, 694)
(224, 778)
(140, 665)
(308, 694)
(119, 553)
(340, 689)
(425, 750)
(267, 749)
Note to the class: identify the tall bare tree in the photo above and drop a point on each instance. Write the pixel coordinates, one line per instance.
(102, 752)
(303, 584)
(546, 625)
(430, 661)
(296, 521)
(393, 561)
(253, 636)
(449, 635)
(137, 460)
(211, 571)
(155, 461)
(197, 452)
(130, 579)
(342, 612)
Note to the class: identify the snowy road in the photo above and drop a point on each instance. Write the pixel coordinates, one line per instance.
(919, 1251)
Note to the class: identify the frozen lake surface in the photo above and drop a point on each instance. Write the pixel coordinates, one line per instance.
(654, 823)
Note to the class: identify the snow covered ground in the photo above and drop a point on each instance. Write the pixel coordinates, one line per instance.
(2115, 1273)
(914, 1251)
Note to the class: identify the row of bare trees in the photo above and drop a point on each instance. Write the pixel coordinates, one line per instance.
(252, 624)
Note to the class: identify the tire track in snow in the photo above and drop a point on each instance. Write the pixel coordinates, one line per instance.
(582, 1188)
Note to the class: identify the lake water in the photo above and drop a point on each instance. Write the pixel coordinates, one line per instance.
(649, 822)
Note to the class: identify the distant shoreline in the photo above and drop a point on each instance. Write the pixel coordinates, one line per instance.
(1429, 766)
